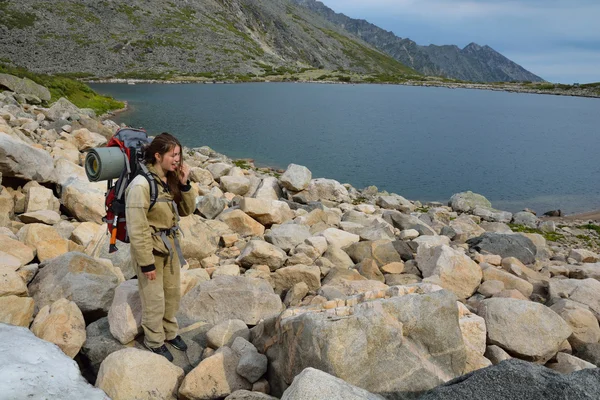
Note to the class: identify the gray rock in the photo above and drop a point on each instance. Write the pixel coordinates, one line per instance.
(516, 380)
(468, 201)
(80, 278)
(402, 344)
(287, 236)
(224, 333)
(590, 352)
(252, 366)
(496, 354)
(322, 189)
(33, 368)
(229, 297)
(526, 218)
(20, 160)
(586, 291)
(404, 221)
(24, 86)
(526, 329)
(395, 202)
(296, 177)
(492, 215)
(210, 206)
(315, 384)
(505, 245)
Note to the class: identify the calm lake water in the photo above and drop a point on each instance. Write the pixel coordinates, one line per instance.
(518, 150)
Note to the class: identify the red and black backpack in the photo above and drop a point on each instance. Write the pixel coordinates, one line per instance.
(132, 143)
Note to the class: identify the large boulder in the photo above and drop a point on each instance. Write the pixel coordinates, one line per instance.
(61, 323)
(86, 281)
(33, 368)
(584, 291)
(199, 240)
(267, 212)
(24, 86)
(402, 344)
(505, 245)
(262, 253)
(468, 201)
(83, 200)
(322, 189)
(287, 236)
(517, 379)
(22, 252)
(296, 177)
(315, 384)
(405, 221)
(525, 329)
(381, 251)
(16, 310)
(11, 283)
(451, 269)
(86, 140)
(581, 320)
(139, 374)
(241, 223)
(214, 377)
(230, 297)
(20, 160)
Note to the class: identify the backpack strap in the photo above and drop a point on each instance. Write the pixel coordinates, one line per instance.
(153, 186)
(165, 233)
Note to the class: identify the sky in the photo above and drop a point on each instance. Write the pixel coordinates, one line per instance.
(558, 40)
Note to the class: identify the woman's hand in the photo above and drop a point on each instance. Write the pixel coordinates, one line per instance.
(150, 275)
(184, 173)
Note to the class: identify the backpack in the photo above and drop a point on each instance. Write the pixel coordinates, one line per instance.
(132, 143)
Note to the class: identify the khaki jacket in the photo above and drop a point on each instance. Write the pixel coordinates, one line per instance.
(142, 224)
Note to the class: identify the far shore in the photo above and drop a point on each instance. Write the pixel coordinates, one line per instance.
(500, 87)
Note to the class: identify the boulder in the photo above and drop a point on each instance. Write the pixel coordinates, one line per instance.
(83, 200)
(526, 219)
(62, 324)
(39, 198)
(338, 238)
(210, 206)
(267, 212)
(224, 333)
(566, 363)
(465, 229)
(468, 201)
(16, 310)
(268, 189)
(395, 202)
(11, 283)
(48, 217)
(287, 236)
(263, 253)
(241, 223)
(230, 297)
(201, 175)
(581, 320)
(491, 273)
(218, 170)
(199, 240)
(315, 384)
(125, 313)
(139, 374)
(583, 256)
(235, 184)
(20, 160)
(455, 271)
(505, 245)
(86, 281)
(285, 278)
(492, 215)
(585, 291)
(322, 189)
(214, 377)
(405, 221)
(381, 251)
(296, 178)
(526, 329)
(35, 369)
(24, 86)
(423, 343)
(518, 379)
(17, 249)
(86, 140)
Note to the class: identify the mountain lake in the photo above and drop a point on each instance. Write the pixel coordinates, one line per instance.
(424, 143)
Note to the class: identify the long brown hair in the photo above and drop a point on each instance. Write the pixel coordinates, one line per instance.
(162, 144)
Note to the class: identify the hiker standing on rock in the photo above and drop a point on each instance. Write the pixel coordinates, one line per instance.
(154, 237)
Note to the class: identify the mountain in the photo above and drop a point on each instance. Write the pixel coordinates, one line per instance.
(155, 38)
(472, 63)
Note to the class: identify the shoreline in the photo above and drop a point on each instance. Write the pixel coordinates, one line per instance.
(504, 87)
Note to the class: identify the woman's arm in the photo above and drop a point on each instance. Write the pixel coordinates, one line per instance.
(137, 203)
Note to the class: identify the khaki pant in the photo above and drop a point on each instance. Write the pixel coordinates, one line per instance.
(160, 300)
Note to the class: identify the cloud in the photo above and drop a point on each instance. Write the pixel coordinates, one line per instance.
(561, 33)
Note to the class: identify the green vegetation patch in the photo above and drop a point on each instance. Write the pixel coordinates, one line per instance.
(15, 19)
(243, 164)
(550, 236)
(592, 227)
(76, 92)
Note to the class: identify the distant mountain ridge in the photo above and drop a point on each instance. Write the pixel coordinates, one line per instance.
(472, 63)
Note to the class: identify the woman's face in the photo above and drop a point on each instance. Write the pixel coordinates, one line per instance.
(170, 160)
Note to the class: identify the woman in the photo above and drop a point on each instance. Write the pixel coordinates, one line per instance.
(153, 234)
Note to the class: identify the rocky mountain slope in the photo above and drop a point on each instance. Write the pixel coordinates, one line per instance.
(472, 63)
(155, 38)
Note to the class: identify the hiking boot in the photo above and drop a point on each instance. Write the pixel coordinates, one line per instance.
(178, 343)
(162, 351)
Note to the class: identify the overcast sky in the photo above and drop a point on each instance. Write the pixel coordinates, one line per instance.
(558, 40)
